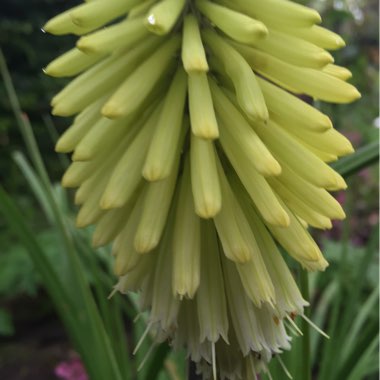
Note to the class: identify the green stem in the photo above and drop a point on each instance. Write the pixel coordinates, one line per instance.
(306, 350)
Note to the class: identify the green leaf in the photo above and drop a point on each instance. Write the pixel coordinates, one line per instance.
(362, 158)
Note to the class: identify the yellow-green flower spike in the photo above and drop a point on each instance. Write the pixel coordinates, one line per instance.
(234, 24)
(111, 223)
(283, 12)
(94, 15)
(319, 36)
(131, 94)
(294, 50)
(247, 89)
(162, 17)
(243, 317)
(238, 135)
(201, 108)
(204, 178)
(99, 80)
(126, 257)
(157, 200)
(286, 109)
(193, 53)
(140, 9)
(286, 292)
(122, 35)
(301, 80)
(99, 137)
(165, 307)
(195, 156)
(71, 63)
(162, 150)
(235, 236)
(337, 71)
(186, 241)
(63, 24)
(286, 149)
(126, 176)
(81, 126)
(211, 299)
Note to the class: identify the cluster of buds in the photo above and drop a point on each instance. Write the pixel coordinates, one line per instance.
(194, 156)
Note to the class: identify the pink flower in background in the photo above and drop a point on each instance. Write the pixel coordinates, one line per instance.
(71, 369)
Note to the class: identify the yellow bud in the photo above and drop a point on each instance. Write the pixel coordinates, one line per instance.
(193, 53)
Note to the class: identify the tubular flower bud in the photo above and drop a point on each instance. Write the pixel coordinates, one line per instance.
(195, 157)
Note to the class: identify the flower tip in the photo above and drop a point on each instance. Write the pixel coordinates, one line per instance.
(46, 27)
(242, 254)
(81, 222)
(111, 111)
(118, 269)
(325, 124)
(109, 201)
(341, 215)
(318, 265)
(349, 148)
(281, 219)
(60, 146)
(54, 100)
(356, 94)
(49, 70)
(153, 173)
(196, 67)
(106, 203)
(60, 109)
(144, 244)
(97, 241)
(327, 225)
(261, 115)
(317, 17)
(272, 168)
(339, 184)
(84, 45)
(258, 29)
(52, 26)
(81, 154)
(185, 291)
(346, 148)
(323, 264)
(67, 182)
(153, 26)
(325, 58)
(209, 210)
(336, 42)
(207, 132)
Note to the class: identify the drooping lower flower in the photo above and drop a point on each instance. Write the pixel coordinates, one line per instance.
(194, 156)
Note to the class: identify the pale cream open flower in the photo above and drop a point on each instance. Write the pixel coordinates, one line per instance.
(194, 156)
